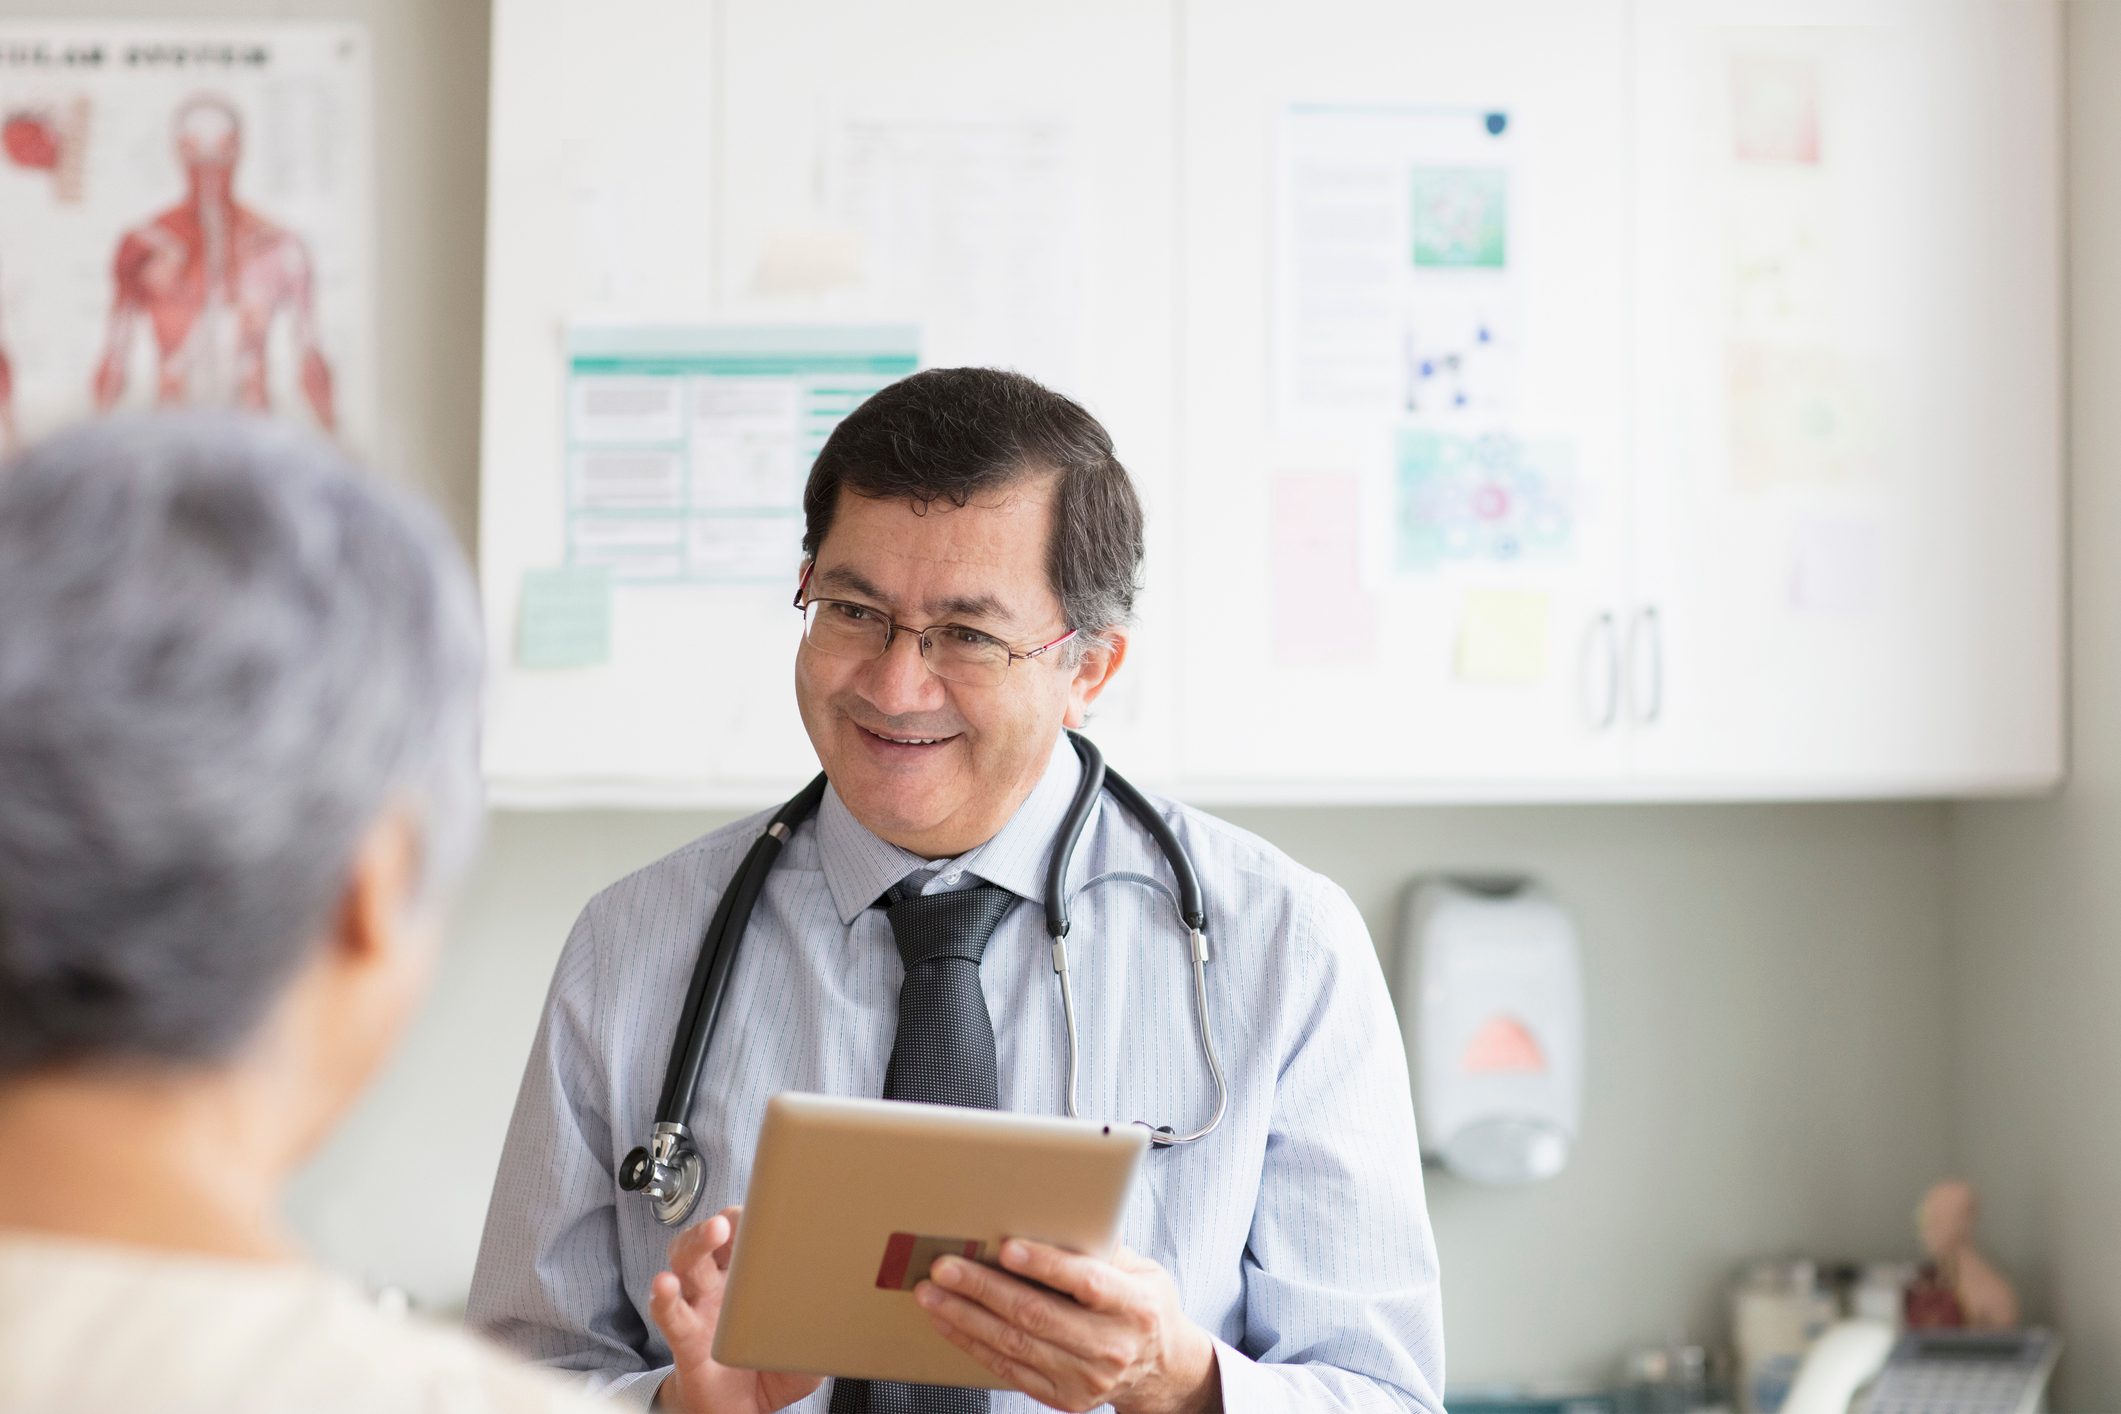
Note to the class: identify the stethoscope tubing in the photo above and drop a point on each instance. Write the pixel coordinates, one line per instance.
(710, 977)
(1097, 778)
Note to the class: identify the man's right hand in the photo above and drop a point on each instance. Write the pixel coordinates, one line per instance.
(686, 1302)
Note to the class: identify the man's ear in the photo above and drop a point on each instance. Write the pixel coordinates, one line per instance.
(378, 896)
(1093, 673)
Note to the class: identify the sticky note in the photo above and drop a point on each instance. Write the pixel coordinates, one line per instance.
(1835, 566)
(1323, 614)
(565, 619)
(1502, 637)
(1775, 108)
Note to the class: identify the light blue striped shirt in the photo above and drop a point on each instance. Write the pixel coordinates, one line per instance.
(1296, 1232)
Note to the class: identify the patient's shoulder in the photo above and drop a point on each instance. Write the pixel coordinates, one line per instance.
(95, 1327)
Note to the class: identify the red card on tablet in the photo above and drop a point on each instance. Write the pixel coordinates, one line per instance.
(909, 1255)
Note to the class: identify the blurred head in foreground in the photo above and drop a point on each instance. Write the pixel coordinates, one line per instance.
(238, 716)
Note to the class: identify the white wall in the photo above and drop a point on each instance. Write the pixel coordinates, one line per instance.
(1769, 1044)
(1766, 1068)
(2036, 887)
(1765, 1072)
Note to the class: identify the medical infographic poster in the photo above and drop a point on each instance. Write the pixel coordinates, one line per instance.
(1395, 292)
(1802, 364)
(185, 219)
(978, 225)
(1399, 300)
(687, 448)
(1799, 401)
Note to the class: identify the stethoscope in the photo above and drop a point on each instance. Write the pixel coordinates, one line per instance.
(668, 1169)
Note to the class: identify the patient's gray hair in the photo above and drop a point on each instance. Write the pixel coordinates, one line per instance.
(225, 655)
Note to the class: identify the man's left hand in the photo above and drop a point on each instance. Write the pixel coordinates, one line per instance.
(1121, 1340)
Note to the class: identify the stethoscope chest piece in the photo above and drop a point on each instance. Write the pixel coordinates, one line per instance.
(667, 1171)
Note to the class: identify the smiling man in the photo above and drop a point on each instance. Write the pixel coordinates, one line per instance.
(972, 551)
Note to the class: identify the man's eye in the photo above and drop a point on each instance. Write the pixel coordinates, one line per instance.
(971, 638)
(852, 613)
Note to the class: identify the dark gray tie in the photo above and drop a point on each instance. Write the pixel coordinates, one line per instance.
(944, 1054)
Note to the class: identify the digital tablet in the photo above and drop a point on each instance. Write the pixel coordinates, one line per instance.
(851, 1201)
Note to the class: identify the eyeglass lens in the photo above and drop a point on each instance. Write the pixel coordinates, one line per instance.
(960, 655)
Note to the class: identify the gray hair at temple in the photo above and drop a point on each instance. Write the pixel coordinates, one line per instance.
(225, 655)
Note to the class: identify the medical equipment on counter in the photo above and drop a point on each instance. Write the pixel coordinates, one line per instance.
(1924, 1371)
(1841, 1361)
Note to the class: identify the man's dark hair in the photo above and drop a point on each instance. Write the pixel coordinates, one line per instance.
(950, 434)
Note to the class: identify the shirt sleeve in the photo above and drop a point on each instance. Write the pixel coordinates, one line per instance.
(1343, 1305)
(548, 1283)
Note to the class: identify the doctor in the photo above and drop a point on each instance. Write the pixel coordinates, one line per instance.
(972, 553)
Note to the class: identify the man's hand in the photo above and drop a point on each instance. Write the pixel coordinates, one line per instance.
(686, 1302)
(1121, 1340)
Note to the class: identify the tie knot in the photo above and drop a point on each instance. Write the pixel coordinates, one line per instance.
(928, 927)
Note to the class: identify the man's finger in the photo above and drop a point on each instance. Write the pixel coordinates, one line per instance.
(692, 1255)
(1129, 1260)
(1054, 1319)
(1020, 1374)
(729, 1215)
(1092, 1283)
(1032, 1344)
(688, 1336)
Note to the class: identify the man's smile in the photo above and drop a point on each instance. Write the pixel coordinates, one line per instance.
(902, 743)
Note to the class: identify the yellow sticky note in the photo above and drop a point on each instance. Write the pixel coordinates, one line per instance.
(1502, 637)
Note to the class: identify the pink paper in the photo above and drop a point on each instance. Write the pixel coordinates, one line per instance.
(1323, 614)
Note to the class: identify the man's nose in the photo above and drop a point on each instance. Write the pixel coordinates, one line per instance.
(899, 681)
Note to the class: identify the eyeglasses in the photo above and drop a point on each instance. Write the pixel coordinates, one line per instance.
(845, 629)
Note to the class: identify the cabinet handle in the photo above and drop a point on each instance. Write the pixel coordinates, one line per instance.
(1603, 633)
(1647, 629)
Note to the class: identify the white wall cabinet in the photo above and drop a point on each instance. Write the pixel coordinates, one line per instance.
(1791, 282)
(916, 121)
(1761, 323)
(1847, 566)
(1375, 702)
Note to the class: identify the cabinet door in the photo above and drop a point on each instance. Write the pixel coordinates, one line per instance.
(1001, 175)
(1403, 396)
(583, 222)
(1847, 496)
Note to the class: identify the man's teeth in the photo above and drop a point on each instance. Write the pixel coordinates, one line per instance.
(913, 740)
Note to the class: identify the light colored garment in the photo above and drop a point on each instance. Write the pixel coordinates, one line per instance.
(95, 1328)
(1296, 1232)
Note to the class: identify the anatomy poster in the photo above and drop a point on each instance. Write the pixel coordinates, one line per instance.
(185, 219)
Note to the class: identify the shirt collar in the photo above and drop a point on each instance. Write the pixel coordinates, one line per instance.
(859, 866)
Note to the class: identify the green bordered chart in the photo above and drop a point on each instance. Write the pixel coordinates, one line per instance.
(687, 447)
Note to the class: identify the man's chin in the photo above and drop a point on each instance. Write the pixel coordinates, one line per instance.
(915, 830)
(891, 808)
